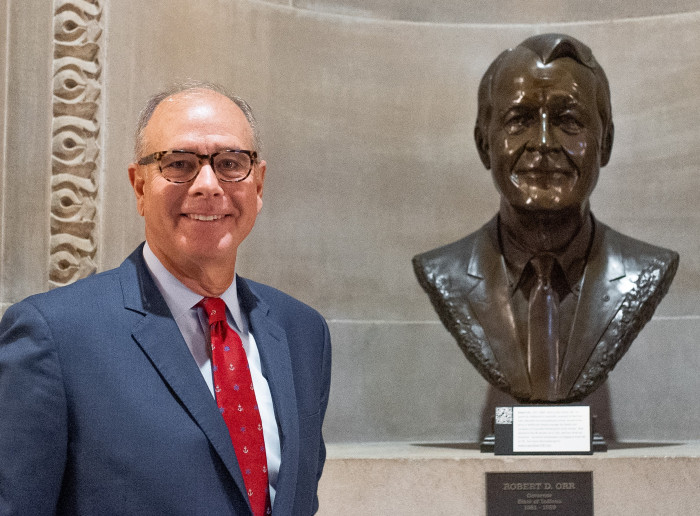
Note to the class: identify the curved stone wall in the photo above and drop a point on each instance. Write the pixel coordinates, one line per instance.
(489, 12)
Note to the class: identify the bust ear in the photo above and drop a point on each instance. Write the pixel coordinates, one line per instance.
(606, 144)
(482, 146)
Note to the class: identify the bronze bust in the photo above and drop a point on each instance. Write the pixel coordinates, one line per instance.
(544, 299)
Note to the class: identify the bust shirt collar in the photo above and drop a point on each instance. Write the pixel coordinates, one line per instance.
(572, 258)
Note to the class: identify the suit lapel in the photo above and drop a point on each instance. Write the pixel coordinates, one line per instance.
(160, 339)
(276, 361)
(490, 300)
(605, 284)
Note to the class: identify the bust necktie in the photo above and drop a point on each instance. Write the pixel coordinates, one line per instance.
(543, 331)
(235, 397)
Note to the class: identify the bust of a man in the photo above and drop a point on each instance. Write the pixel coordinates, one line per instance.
(544, 299)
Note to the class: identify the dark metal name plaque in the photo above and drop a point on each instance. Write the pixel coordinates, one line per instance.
(561, 493)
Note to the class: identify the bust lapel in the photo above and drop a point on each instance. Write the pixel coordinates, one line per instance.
(490, 301)
(605, 284)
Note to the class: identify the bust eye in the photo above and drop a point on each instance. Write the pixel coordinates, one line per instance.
(569, 123)
(517, 122)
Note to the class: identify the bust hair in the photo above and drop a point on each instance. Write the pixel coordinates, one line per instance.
(548, 48)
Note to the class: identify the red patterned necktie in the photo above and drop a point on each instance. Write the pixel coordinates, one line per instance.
(236, 400)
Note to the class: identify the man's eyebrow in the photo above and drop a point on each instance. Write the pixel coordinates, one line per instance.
(521, 98)
(517, 107)
(566, 100)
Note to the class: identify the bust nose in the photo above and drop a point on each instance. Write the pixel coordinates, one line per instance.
(543, 140)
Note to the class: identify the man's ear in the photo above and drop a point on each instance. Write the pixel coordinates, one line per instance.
(606, 144)
(137, 181)
(482, 146)
(260, 181)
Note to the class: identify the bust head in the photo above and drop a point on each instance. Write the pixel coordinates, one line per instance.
(544, 129)
(544, 126)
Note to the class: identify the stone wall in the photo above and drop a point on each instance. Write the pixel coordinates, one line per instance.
(367, 111)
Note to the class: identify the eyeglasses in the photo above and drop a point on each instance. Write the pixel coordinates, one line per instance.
(179, 166)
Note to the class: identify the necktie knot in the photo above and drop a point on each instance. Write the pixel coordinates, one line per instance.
(543, 265)
(215, 309)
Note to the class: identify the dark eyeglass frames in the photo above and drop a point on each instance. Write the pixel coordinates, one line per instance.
(178, 166)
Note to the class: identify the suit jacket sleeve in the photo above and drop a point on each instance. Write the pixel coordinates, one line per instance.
(33, 430)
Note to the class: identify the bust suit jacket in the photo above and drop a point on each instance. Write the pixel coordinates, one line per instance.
(104, 411)
(623, 282)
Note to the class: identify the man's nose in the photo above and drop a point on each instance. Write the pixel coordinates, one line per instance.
(206, 182)
(543, 139)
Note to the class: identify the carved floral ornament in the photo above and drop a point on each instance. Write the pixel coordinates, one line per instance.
(75, 139)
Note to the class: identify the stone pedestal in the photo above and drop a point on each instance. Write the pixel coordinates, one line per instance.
(449, 479)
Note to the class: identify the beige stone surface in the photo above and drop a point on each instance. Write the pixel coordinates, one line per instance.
(26, 149)
(381, 479)
(4, 13)
(489, 12)
(410, 382)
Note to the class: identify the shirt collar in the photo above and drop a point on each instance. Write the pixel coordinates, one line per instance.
(572, 258)
(181, 299)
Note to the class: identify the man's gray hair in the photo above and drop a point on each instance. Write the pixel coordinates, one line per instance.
(190, 86)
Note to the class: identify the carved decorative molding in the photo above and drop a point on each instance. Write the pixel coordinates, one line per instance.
(75, 139)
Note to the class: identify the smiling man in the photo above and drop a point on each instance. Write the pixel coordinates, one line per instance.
(169, 385)
(545, 299)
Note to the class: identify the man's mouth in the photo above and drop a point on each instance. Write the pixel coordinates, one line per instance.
(547, 184)
(205, 218)
(544, 168)
(544, 174)
(543, 177)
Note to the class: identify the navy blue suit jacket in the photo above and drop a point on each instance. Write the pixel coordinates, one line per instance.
(103, 410)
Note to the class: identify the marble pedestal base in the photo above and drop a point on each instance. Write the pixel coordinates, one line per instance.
(449, 479)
